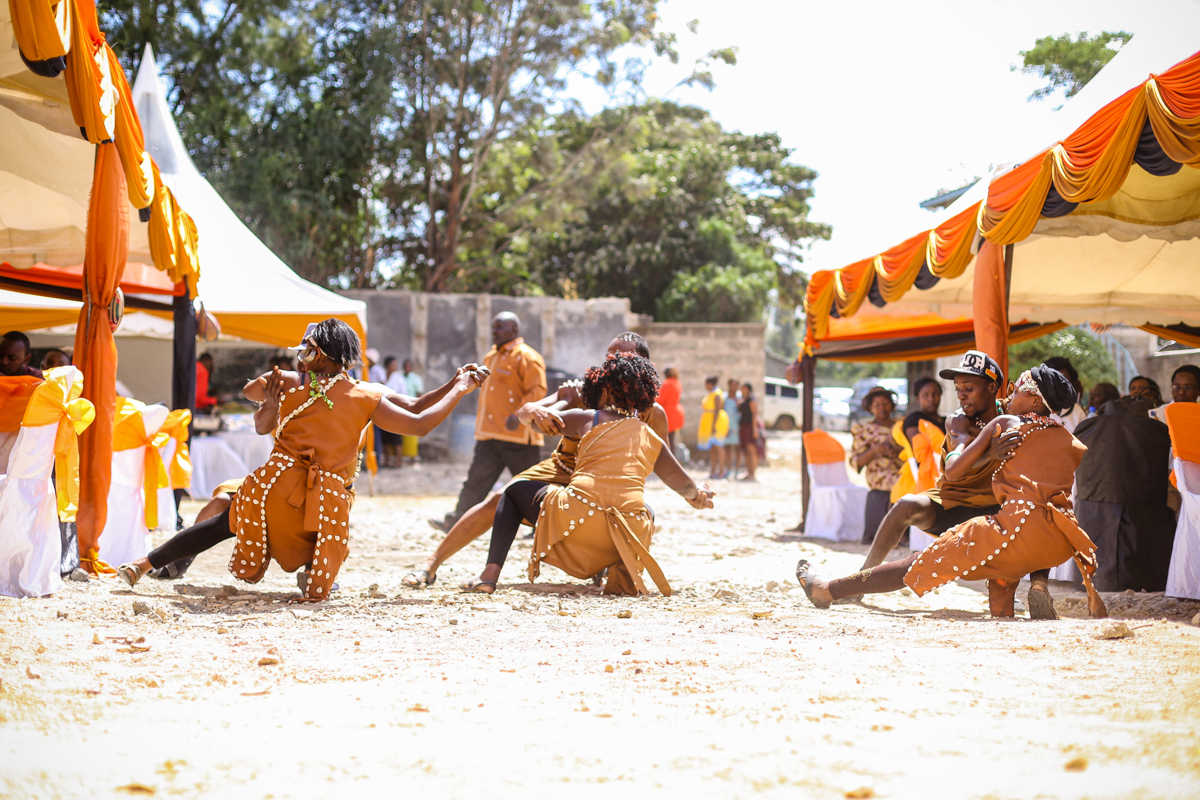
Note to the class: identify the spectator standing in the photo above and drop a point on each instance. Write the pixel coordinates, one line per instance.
(55, 358)
(733, 449)
(518, 376)
(205, 403)
(750, 432)
(928, 393)
(388, 444)
(14, 356)
(1146, 390)
(668, 397)
(1078, 413)
(376, 373)
(1185, 386)
(714, 426)
(414, 387)
(874, 452)
(1100, 394)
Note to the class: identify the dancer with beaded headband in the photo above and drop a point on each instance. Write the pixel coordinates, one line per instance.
(296, 507)
(599, 519)
(1034, 528)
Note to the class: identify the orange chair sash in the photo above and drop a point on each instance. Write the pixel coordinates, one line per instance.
(821, 448)
(14, 399)
(179, 471)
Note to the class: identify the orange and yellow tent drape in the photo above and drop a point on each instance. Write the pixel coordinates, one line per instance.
(102, 106)
(1089, 166)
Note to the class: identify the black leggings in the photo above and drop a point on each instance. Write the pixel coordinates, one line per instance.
(193, 541)
(522, 500)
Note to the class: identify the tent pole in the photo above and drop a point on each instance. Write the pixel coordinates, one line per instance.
(183, 378)
(808, 375)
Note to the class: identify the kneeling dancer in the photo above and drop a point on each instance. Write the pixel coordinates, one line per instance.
(599, 519)
(1033, 529)
(296, 507)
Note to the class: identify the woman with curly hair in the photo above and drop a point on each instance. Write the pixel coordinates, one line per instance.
(599, 519)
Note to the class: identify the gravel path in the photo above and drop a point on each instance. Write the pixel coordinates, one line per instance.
(733, 687)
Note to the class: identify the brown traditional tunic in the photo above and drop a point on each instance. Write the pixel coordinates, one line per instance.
(296, 507)
(558, 468)
(973, 489)
(1034, 528)
(599, 519)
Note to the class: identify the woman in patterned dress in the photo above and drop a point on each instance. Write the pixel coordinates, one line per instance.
(1033, 530)
(875, 453)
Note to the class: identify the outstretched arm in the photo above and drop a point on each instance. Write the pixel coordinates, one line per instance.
(415, 405)
(672, 474)
(544, 414)
(267, 390)
(394, 419)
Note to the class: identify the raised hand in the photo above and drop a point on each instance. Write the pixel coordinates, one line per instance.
(547, 421)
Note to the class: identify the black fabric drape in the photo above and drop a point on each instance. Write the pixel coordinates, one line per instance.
(183, 381)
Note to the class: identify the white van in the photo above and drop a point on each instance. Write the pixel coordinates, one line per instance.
(782, 407)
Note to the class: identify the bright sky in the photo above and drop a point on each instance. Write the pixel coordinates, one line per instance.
(889, 101)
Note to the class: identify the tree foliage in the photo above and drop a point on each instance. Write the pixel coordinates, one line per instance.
(1084, 351)
(432, 145)
(1067, 63)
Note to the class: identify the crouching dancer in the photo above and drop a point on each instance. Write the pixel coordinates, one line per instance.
(599, 519)
(1033, 529)
(296, 507)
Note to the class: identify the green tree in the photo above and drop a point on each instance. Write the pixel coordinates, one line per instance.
(1067, 63)
(1085, 352)
(689, 221)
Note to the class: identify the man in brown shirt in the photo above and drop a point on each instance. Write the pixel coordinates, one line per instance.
(518, 377)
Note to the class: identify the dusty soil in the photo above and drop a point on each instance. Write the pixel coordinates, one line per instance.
(733, 687)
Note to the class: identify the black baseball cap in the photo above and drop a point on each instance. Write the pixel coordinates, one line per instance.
(978, 364)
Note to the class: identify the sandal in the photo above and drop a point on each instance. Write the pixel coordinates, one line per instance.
(130, 574)
(172, 571)
(419, 579)
(806, 576)
(1038, 602)
(476, 586)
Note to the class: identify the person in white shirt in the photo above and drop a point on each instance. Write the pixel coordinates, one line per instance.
(375, 372)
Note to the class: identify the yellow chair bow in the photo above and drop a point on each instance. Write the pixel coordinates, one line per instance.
(179, 471)
(129, 432)
(56, 401)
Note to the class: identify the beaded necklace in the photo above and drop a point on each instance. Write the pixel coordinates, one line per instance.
(1036, 422)
(621, 412)
(316, 389)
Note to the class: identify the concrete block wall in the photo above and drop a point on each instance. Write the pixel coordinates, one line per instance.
(441, 332)
(730, 350)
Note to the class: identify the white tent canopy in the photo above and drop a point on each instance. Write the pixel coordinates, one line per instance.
(1105, 262)
(250, 290)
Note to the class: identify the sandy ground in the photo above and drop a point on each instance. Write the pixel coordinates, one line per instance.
(734, 687)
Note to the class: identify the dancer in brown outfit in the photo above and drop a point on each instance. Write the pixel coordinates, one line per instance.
(1033, 529)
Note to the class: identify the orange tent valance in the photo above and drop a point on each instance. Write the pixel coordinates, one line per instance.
(137, 278)
(1089, 166)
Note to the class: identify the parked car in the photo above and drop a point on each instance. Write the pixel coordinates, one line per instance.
(831, 408)
(782, 406)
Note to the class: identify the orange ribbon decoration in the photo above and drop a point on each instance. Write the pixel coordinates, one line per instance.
(179, 471)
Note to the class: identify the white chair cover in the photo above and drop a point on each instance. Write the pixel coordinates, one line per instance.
(126, 537)
(836, 509)
(30, 541)
(213, 463)
(1183, 576)
(166, 495)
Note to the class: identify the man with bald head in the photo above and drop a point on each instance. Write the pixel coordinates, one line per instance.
(518, 376)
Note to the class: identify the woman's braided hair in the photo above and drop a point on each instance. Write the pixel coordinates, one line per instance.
(631, 381)
(338, 342)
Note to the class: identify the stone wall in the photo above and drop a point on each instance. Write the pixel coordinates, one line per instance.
(729, 350)
(440, 332)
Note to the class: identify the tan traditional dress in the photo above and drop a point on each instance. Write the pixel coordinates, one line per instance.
(296, 507)
(599, 519)
(561, 465)
(1034, 528)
